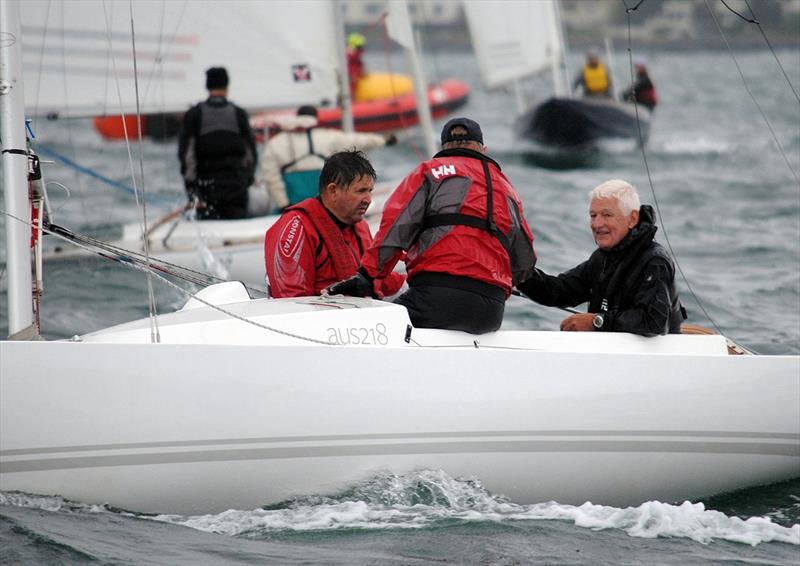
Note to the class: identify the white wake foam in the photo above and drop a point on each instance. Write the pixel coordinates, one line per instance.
(425, 498)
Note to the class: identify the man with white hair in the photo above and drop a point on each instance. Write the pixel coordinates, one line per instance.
(629, 281)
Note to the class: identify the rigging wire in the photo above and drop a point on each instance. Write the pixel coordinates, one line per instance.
(650, 178)
(152, 271)
(755, 21)
(40, 67)
(70, 133)
(128, 144)
(156, 337)
(125, 256)
(752, 97)
(46, 150)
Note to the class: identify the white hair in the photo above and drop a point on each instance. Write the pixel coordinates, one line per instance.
(624, 192)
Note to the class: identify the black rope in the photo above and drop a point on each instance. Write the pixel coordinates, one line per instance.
(629, 10)
(772, 50)
(524, 296)
(753, 21)
(752, 97)
(652, 186)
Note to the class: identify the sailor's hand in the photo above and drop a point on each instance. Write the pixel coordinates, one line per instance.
(359, 285)
(581, 322)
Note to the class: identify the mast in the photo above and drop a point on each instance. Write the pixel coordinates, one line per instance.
(561, 78)
(15, 170)
(344, 80)
(398, 25)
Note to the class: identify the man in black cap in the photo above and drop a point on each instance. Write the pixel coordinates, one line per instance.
(458, 224)
(217, 151)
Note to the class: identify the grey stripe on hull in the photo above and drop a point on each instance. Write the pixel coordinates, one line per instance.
(762, 436)
(401, 449)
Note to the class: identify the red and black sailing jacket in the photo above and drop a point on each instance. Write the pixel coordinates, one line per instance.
(307, 250)
(456, 214)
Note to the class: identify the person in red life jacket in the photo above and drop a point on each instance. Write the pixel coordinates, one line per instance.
(642, 91)
(462, 226)
(355, 59)
(319, 241)
(593, 78)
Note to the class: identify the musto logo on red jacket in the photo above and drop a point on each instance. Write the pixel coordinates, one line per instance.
(291, 237)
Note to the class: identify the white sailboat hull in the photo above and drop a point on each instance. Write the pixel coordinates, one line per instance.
(195, 428)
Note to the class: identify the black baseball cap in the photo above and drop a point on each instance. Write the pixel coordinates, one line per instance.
(474, 132)
(216, 78)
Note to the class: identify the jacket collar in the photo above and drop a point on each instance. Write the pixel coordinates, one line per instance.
(464, 152)
(641, 234)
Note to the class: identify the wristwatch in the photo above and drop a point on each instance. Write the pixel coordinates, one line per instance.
(597, 321)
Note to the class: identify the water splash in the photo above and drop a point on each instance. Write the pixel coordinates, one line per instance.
(211, 264)
(431, 498)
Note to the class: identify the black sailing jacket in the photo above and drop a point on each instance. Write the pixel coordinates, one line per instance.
(636, 278)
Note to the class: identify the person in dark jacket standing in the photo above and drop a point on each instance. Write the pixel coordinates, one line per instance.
(458, 224)
(629, 281)
(642, 91)
(217, 151)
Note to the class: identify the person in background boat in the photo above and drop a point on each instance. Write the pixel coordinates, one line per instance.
(462, 226)
(320, 240)
(642, 91)
(355, 59)
(293, 158)
(217, 152)
(594, 78)
(629, 281)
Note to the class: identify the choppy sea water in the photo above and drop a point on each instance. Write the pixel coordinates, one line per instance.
(730, 207)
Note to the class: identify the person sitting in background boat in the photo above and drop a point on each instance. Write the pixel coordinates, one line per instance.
(629, 281)
(293, 158)
(642, 91)
(593, 79)
(461, 224)
(319, 241)
(355, 59)
(217, 152)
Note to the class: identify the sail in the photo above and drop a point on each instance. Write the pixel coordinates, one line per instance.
(78, 55)
(513, 39)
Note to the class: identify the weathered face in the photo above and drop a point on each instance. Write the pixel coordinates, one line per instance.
(350, 203)
(609, 224)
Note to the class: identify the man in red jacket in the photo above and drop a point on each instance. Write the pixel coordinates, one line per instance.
(319, 241)
(461, 224)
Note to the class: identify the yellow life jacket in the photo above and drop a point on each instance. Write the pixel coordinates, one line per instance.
(595, 79)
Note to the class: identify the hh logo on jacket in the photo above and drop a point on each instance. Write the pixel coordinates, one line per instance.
(443, 171)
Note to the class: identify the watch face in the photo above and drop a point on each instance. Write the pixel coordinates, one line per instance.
(598, 321)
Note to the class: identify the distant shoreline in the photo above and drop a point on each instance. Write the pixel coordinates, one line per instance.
(456, 38)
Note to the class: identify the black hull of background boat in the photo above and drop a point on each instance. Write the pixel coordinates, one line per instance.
(580, 122)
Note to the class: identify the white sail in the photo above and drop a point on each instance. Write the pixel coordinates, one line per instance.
(78, 55)
(513, 39)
